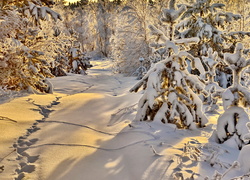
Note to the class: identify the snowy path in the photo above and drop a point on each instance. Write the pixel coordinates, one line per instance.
(82, 132)
(66, 130)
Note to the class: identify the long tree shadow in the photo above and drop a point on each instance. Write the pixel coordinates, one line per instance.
(80, 125)
(91, 151)
(128, 155)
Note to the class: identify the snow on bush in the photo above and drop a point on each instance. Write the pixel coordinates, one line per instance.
(170, 90)
(243, 158)
(26, 68)
(78, 61)
(232, 124)
(40, 13)
(23, 66)
(207, 20)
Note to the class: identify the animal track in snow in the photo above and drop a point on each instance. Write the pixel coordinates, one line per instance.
(26, 161)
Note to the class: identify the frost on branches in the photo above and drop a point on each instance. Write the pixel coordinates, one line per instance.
(207, 20)
(130, 37)
(170, 90)
(23, 66)
(65, 43)
(40, 13)
(232, 124)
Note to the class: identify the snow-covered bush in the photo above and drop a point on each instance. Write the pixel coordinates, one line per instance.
(78, 61)
(55, 42)
(38, 12)
(207, 20)
(210, 62)
(65, 44)
(171, 92)
(23, 68)
(61, 46)
(140, 71)
(232, 124)
(23, 65)
(59, 66)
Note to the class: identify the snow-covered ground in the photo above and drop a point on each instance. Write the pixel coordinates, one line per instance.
(84, 131)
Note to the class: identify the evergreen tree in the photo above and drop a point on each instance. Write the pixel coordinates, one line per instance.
(170, 90)
(207, 20)
(23, 66)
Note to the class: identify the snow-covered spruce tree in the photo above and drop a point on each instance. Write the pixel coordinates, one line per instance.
(56, 46)
(171, 92)
(232, 123)
(207, 21)
(79, 61)
(23, 68)
(210, 62)
(23, 65)
(170, 17)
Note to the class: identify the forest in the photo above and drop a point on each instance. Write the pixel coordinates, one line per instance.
(125, 89)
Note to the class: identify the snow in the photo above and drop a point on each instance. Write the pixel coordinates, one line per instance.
(199, 66)
(228, 98)
(233, 123)
(244, 159)
(85, 130)
(187, 40)
(171, 45)
(73, 52)
(233, 58)
(171, 15)
(161, 114)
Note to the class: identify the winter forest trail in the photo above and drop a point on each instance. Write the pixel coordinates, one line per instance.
(83, 131)
(54, 133)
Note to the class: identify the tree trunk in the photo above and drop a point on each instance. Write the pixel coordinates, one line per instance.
(236, 78)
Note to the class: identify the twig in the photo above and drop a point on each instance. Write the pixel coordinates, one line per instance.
(154, 151)
(7, 119)
(7, 155)
(241, 177)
